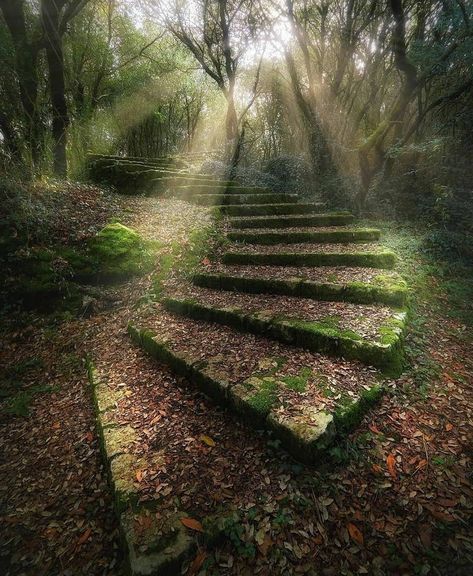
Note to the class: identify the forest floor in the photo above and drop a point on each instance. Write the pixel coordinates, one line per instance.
(395, 498)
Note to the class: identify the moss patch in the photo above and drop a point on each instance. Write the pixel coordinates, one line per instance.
(293, 221)
(356, 292)
(331, 236)
(233, 209)
(382, 259)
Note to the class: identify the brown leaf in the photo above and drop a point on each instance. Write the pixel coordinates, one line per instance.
(355, 534)
(205, 261)
(139, 475)
(85, 536)
(448, 427)
(374, 429)
(192, 524)
(265, 545)
(391, 463)
(376, 468)
(425, 535)
(197, 563)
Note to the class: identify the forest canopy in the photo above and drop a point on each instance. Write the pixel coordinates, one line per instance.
(371, 101)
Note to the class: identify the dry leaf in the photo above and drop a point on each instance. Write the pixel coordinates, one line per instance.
(206, 262)
(391, 463)
(448, 427)
(376, 468)
(139, 475)
(85, 536)
(207, 440)
(374, 429)
(197, 563)
(192, 524)
(355, 534)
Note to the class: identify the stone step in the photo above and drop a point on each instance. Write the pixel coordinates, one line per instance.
(217, 188)
(377, 259)
(295, 221)
(325, 335)
(242, 199)
(299, 236)
(269, 209)
(384, 291)
(302, 398)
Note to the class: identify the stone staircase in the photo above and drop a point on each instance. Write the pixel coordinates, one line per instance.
(300, 278)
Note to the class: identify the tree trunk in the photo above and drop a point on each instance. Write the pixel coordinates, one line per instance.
(26, 55)
(55, 59)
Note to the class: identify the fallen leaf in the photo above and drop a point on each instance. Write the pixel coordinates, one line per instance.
(374, 429)
(192, 524)
(391, 463)
(85, 536)
(139, 475)
(425, 535)
(56, 425)
(355, 534)
(376, 468)
(448, 427)
(207, 440)
(265, 545)
(197, 563)
(206, 262)
(89, 436)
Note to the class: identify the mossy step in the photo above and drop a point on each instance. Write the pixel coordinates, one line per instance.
(269, 209)
(297, 237)
(383, 259)
(305, 432)
(217, 189)
(390, 293)
(243, 199)
(152, 545)
(294, 221)
(386, 354)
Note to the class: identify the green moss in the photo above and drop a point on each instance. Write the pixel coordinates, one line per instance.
(349, 412)
(263, 400)
(321, 336)
(331, 236)
(381, 259)
(268, 209)
(298, 383)
(332, 219)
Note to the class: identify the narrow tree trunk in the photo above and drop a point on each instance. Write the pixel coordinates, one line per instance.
(55, 59)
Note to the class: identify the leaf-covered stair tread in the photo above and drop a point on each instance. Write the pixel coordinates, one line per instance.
(296, 393)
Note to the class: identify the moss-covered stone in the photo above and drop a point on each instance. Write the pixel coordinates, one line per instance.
(305, 434)
(379, 259)
(118, 439)
(156, 546)
(349, 412)
(278, 222)
(358, 292)
(242, 199)
(318, 237)
(275, 209)
(321, 336)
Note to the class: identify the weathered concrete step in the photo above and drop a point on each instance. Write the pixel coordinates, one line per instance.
(305, 430)
(295, 237)
(315, 220)
(381, 259)
(319, 336)
(269, 209)
(152, 545)
(219, 188)
(243, 199)
(392, 294)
